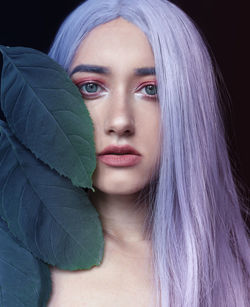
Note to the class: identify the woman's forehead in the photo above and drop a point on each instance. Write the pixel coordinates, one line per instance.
(117, 41)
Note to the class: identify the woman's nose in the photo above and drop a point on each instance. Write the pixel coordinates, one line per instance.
(120, 119)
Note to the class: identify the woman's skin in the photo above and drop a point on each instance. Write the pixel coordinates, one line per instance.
(122, 102)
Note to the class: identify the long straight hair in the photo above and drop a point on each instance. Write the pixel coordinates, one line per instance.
(200, 242)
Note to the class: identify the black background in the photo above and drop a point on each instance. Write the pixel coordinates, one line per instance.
(35, 23)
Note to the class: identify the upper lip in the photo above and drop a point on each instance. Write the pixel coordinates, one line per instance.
(114, 149)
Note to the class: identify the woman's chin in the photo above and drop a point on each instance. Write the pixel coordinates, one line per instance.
(122, 181)
(118, 189)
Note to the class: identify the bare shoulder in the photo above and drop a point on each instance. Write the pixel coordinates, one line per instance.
(122, 278)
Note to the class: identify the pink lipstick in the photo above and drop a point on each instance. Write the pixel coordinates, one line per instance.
(120, 156)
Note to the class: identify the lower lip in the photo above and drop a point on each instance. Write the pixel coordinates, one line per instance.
(120, 160)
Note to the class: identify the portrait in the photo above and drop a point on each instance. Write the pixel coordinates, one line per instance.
(164, 187)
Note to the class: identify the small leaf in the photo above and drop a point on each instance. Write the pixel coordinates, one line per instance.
(24, 280)
(45, 111)
(53, 219)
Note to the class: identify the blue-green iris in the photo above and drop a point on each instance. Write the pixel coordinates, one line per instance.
(151, 89)
(91, 87)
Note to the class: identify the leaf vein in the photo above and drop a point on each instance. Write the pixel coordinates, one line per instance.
(15, 268)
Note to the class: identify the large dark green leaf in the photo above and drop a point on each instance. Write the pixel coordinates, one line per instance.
(24, 280)
(52, 218)
(45, 111)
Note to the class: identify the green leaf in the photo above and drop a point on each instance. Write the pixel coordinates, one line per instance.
(45, 111)
(24, 280)
(51, 217)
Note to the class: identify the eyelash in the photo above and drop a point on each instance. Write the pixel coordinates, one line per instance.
(98, 94)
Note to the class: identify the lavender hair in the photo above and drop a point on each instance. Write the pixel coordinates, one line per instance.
(200, 242)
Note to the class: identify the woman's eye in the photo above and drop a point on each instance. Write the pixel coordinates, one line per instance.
(151, 89)
(90, 90)
(90, 87)
(148, 90)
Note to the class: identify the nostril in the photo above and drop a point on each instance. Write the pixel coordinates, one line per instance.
(121, 130)
(128, 131)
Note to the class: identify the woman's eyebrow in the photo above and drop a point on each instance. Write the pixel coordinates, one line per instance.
(90, 68)
(144, 71)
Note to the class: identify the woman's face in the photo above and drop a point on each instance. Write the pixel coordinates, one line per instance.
(114, 71)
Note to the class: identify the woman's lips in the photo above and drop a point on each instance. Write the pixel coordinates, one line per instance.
(124, 155)
(120, 160)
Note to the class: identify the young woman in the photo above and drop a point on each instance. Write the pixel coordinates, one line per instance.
(174, 235)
